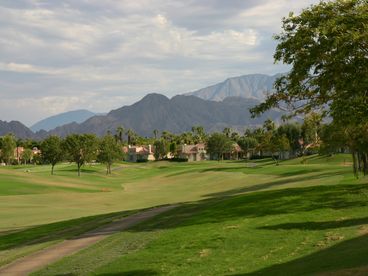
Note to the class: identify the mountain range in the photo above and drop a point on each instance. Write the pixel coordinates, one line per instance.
(222, 105)
(254, 86)
(176, 115)
(52, 122)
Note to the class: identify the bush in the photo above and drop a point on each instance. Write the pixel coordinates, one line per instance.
(178, 159)
(142, 160)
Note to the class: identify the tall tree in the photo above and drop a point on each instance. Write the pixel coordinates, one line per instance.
(247, 144)
(8, 148)
(186, 138)
(327, 48)
(218, 144)
(155, 133)
(167, 136)
(51, 151)
(293, 132)
(120, 132)
(27, 156)
(81, 148)
(311, 132)
(199, 134)
(159, 149)
(109, 152)
(132, 137)
(227, 132)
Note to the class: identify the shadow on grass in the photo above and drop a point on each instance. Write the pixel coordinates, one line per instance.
(274, 183)
(132, 273)
(259, 204)
(323, 225)
(219, 208)
(326, 260)
(273, 170)
(84, 170)
(57, 231)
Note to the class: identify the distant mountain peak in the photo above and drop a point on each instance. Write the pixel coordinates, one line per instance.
(55, 121)
(253, 86)
(16, 128)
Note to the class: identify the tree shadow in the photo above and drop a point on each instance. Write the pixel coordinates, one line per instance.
(140, 272)
(267, 185)
(326, 260)
(258, 204)
(242, 204)
(323, 225)
(56, 231)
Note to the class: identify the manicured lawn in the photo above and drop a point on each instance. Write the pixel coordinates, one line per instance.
(234, 218)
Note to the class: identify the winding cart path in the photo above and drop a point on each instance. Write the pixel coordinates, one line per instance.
(40, 259)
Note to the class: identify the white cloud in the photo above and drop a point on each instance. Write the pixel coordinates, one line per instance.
(71, 54)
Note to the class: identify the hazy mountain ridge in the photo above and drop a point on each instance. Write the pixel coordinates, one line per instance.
(178, 114)
(254, 86)
(222, 105)
(17, 128)
(52, 122)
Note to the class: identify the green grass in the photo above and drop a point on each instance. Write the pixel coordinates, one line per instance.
(292, 231)
(20, 243)
(234, 218)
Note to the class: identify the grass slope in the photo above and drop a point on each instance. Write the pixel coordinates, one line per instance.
(292, 231)
(234, 218)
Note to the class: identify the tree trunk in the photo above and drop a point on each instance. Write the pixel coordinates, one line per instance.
(365, 161)
(79, 167)
(355, 164)
(52, 169)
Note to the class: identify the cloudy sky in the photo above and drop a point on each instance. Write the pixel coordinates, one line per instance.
(60, 55)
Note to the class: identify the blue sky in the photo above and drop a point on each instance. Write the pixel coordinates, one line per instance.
(59, 55)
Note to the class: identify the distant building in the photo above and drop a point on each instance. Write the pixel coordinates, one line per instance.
(35, 151)
(18, 151)
(236, 153)
(140, 153)
(193, 152)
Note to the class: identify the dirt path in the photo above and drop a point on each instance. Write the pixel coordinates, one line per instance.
(38, 260)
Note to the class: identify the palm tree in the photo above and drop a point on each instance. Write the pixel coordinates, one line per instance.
(235, 136)
(155, 133)
(199, 133)
(120, 131)
(167, 136)
(131, 135)
(227, 132)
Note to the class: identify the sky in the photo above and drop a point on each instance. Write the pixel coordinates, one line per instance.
(62, 55)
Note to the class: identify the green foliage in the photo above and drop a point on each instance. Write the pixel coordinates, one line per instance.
(293, 132)
(109, 151)
(327, 48)
(326, 45)
(311, 130)
(7, 148)
(155, 133)
(52, 151)
(247, 144)
(132, 137)
(119, 134)
(199, 134)
(27, 156)
(173, 148)
(227, 132)
(186, 138)
(159, 149)
(218, 144)
(81, 148)
(333, 139)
